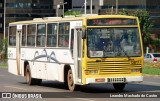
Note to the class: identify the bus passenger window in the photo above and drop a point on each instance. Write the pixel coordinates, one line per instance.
(52, 35)
(41, 35)
(23, 35)
(63, 35)
(12, 36)
(31, 30)
(72, 41)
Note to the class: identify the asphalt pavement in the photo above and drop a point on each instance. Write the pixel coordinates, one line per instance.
(16, 87)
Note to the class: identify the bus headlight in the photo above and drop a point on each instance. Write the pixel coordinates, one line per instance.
(91, 72)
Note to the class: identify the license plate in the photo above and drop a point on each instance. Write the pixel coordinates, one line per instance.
(116, 80)
(100, 80)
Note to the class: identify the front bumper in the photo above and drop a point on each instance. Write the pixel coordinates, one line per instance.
(128, 79)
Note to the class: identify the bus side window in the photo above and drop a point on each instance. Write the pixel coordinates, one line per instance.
(72, 41)
(52, 35)
(63, 35)
(12, 35)
(23, 35)
(41, 35)
(31, 30)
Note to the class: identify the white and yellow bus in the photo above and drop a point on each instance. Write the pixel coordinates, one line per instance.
(77, 50)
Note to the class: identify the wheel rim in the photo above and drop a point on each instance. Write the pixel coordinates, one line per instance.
(71, 84)
(27, 76)
(70, 79)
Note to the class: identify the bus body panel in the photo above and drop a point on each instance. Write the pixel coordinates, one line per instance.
(49, 62)
(44, 67)
(12, 65)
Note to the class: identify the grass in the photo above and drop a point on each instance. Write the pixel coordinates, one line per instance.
(3, 65)
(152, 71)
(151, 68)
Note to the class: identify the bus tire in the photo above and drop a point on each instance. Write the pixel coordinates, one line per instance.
(119, 86)
(66, 85)
(38, 81)
(29, 79)
(72, 87)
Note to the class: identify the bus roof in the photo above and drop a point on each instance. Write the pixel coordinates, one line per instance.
(57, 19)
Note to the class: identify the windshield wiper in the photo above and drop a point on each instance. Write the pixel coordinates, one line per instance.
(125, 52)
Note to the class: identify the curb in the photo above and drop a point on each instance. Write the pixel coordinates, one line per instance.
(148, 75)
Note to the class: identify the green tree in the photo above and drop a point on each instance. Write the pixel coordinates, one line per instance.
(146, 25)
(75, 13)
(3, 48)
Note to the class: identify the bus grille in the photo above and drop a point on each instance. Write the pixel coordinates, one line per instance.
(112, 67)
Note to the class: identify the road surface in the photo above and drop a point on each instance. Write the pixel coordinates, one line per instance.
(55, 91)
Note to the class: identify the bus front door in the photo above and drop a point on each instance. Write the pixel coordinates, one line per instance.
(77, 53)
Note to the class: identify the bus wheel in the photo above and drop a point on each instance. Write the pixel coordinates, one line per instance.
(70, 80)
(29, 79)
(119, 86)
(38, 81)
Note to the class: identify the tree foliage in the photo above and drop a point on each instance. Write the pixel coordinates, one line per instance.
(3, 48)
(75, 13)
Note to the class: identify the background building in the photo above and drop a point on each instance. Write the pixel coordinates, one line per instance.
(153, 6)
(78, 5)
(1, 18)
(19, 10)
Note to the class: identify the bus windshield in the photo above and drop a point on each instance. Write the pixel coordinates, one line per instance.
(113, 42)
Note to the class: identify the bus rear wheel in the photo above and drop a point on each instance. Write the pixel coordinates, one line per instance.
(29, 79)
(38, 81)
(72, 87)
(119, 86)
